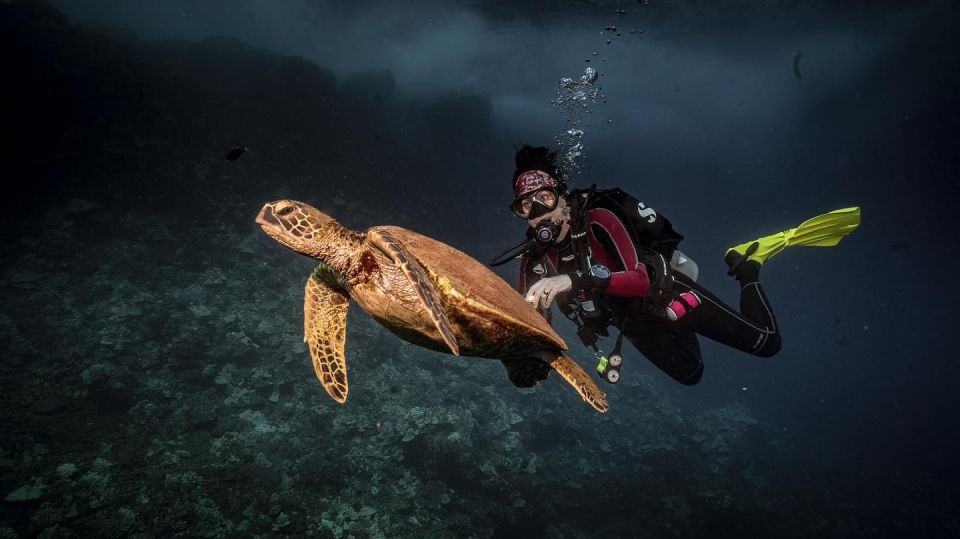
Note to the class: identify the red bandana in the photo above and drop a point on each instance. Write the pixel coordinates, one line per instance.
(532, 180)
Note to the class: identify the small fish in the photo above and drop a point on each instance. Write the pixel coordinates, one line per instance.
(797, 56)
(611, 29)
(235, 153)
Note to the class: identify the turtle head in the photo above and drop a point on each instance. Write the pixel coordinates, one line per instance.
(297, 225)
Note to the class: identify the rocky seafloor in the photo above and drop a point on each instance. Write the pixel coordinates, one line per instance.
(155, 383)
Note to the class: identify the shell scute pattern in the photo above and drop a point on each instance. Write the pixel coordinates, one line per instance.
(422, 284)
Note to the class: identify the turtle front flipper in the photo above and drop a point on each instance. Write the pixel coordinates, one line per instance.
(325, 305)
(580, 380)
(383, 240)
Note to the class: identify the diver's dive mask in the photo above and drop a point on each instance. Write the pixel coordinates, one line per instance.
(535, 204)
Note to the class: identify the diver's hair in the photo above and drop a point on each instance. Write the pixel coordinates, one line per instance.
(537, 158)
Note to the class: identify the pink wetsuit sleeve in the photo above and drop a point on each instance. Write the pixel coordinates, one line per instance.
(633, 281)
(630, 283)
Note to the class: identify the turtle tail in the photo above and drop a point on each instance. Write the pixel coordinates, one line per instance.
(581, 381)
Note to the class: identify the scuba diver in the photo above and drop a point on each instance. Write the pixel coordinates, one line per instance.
(610, 260)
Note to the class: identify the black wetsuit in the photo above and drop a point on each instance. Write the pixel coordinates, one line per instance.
(670, 345)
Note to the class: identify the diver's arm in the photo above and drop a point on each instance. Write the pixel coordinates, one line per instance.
(630, 283)
(634, 280)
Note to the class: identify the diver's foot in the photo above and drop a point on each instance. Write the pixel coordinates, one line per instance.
(735, 259)
(821, 231)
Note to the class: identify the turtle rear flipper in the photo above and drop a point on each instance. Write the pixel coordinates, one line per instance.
(422, 285)
(526, 373)
(580, 380)
(325, 306)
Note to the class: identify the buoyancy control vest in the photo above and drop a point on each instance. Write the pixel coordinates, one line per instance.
(650, 232)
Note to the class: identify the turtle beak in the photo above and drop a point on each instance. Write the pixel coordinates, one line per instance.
(270, 224)
(266, 218)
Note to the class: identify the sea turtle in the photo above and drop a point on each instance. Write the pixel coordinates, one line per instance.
(424, 291)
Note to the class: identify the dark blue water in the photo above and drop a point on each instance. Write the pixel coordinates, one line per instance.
(153, 379)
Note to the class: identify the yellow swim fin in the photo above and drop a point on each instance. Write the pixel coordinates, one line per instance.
(821, 231)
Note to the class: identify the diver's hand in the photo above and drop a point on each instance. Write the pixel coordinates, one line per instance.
(543, 292)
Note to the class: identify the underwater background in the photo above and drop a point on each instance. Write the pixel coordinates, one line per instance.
(153, 378)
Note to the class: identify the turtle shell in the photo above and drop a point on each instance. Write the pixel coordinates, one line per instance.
(490, 317)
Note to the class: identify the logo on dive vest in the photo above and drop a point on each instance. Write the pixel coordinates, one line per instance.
(646, 213)
(539, 269)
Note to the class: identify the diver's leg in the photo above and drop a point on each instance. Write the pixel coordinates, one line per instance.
(673, 350)
(753, 330)
(753, 301)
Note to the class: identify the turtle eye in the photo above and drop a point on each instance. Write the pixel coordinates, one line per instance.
(287, 210)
